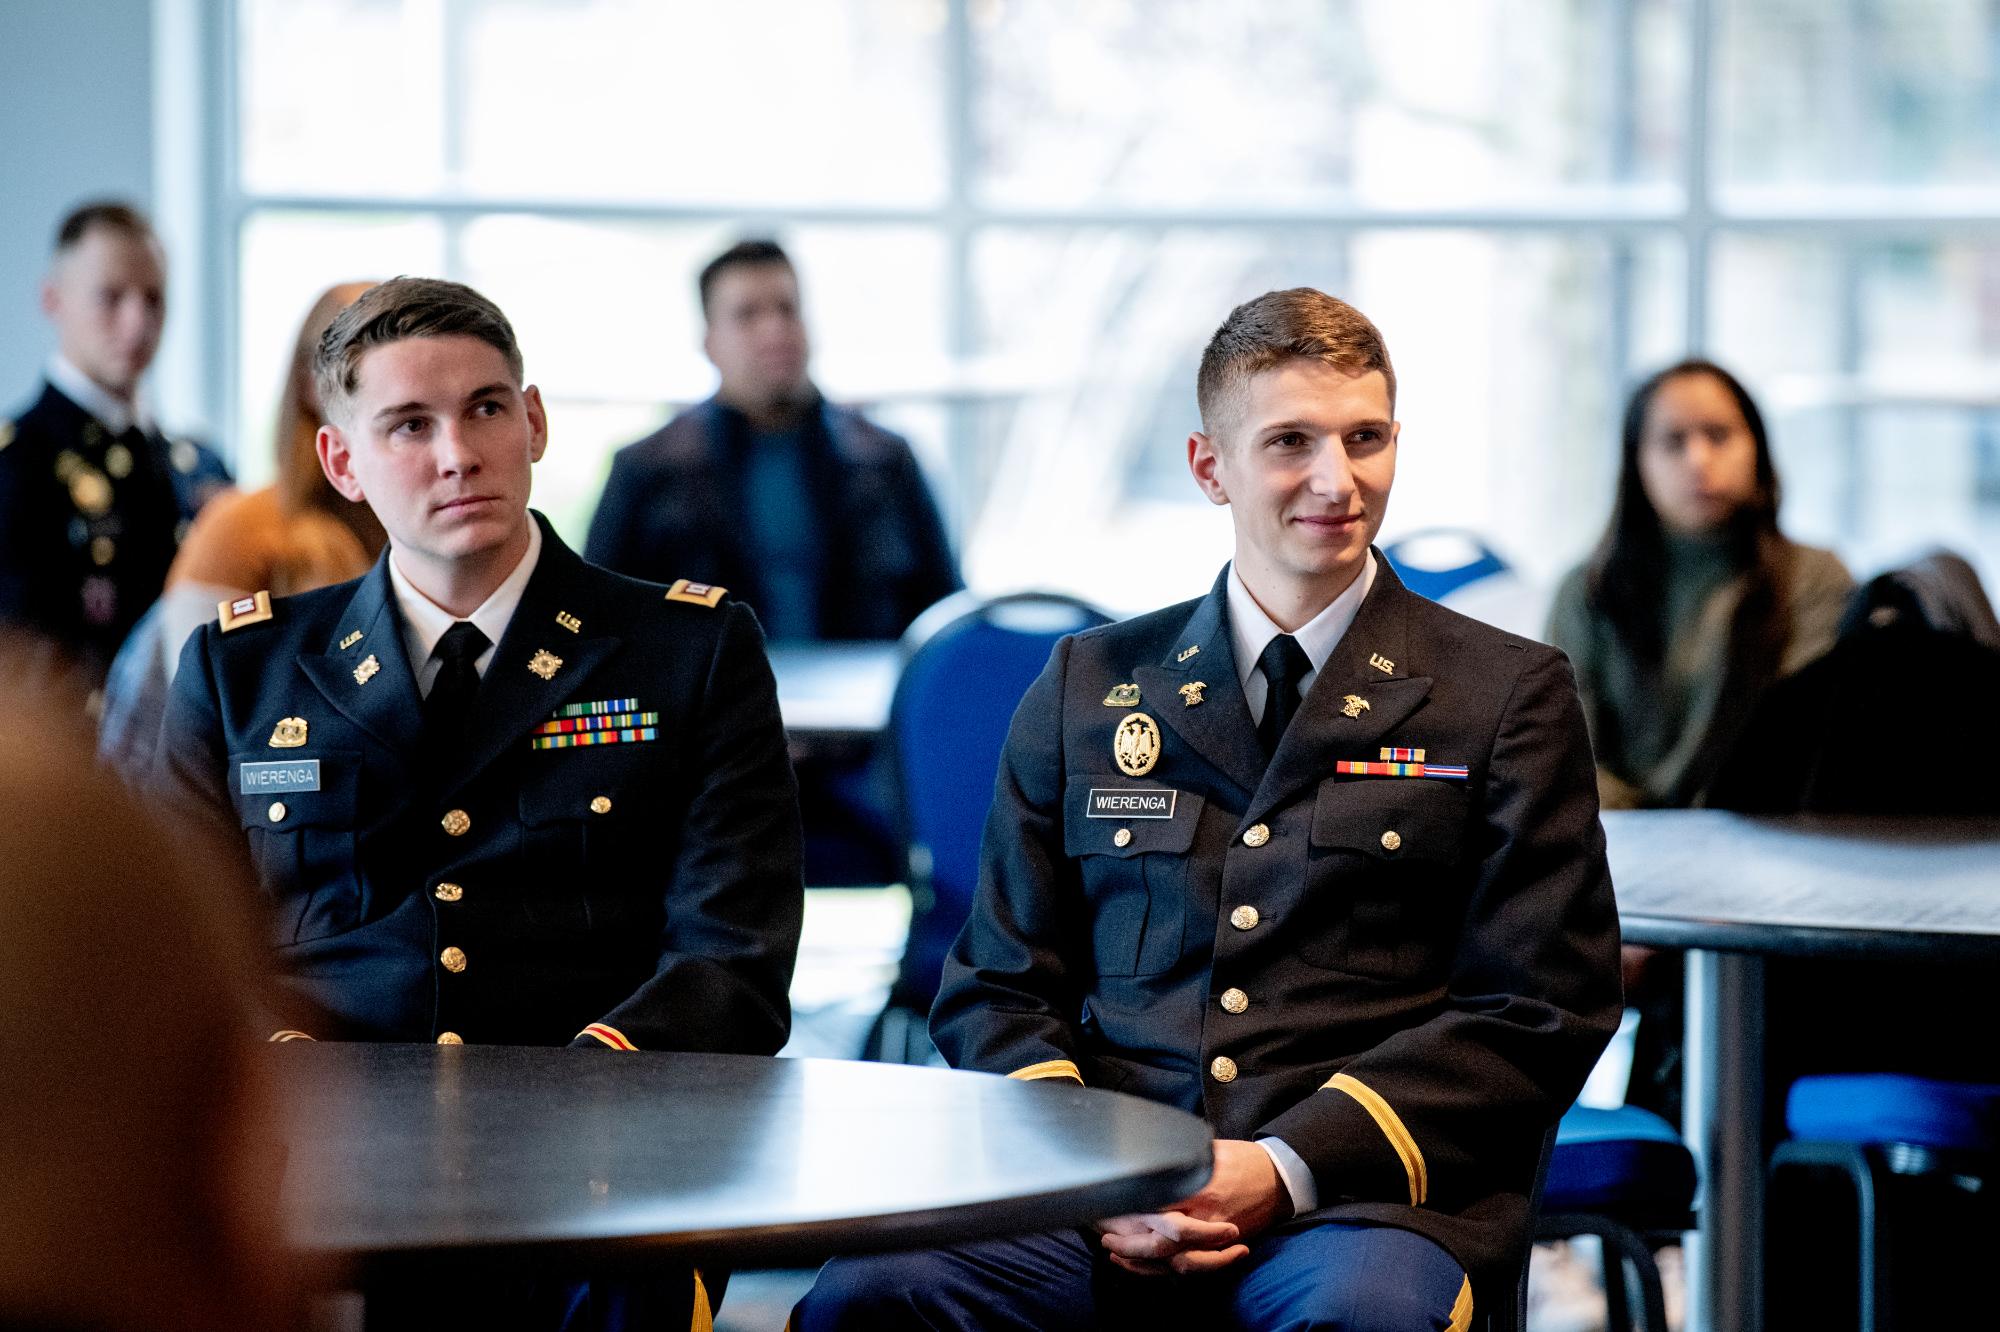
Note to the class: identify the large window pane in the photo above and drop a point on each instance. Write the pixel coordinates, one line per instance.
(1859, 93)
(1507, 356)
(1273, 103)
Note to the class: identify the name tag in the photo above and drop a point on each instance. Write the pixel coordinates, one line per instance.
(1130, 803)
(298, 775)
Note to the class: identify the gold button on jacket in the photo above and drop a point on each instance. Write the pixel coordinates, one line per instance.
(453, 959)
(456, 822)
(1234, 1001)
(1123, 837)
(1392, 840)
(600, 805)
(1222, 1068)
(1244, 918)
(450, 1038)
(1256, 835)
(448, 892)
(277, 811)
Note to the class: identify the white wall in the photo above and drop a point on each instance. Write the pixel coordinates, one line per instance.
(76, 123)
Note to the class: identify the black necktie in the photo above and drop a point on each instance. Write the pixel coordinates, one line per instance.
(1285, 665)
(449, 703)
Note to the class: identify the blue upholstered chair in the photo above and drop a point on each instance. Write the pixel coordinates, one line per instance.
(969, 661)
(1869, 1128)
(1625, 1176)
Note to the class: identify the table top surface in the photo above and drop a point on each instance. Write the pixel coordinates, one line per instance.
(1807, 885)
(836, 690)
(569, 1158)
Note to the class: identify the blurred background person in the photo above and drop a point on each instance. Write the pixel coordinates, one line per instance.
(291, 536)
(93, 498)
(137, 1132)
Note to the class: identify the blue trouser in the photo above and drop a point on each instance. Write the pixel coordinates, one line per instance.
(665, 1301)
(1333, 1275)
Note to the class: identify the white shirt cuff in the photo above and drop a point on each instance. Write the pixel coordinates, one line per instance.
(1298, 1177)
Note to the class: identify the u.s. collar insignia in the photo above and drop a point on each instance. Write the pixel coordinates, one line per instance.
(1187, 652)
(289, 733)
(1381, 663)
(1122, 696)
(367, 670)
(1353, 705)
(350, 640)
(545, 664)
(569, 622)
(1191, 693)
(1136, 745)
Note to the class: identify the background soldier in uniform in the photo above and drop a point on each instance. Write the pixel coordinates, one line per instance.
(1371, 939)
(496, 794)
(93, 498)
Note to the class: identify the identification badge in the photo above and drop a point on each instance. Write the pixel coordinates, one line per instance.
(298, 775)
(1130, 803)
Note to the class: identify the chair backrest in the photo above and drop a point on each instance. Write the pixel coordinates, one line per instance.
(1439, 561)
(970, 659)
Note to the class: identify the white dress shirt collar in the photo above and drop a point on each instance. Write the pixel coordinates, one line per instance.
(1251, 630)
(425, 622)
(111, 413)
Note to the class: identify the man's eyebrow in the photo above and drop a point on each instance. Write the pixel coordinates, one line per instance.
(497, 389)
(400, 409)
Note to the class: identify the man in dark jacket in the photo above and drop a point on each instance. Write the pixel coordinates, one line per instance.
(1311, 857)
(495, 795)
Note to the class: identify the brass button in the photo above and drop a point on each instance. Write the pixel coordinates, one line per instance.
(103, 550)
(1234, 1001)
(1222, 1068)
(1244, 918)
(277, 811)
(1392, 840)
(1257, 835)
(450, 1038)
(457, 822)
(448, 892)
(1123, 837)
(453, 959)
(600, 805)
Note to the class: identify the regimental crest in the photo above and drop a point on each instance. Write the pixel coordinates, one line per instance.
(367, 670)
(1191, 693)
(545, 664)
(1122, 696)
(1136, 745)
(1353, 705)
(289, 733)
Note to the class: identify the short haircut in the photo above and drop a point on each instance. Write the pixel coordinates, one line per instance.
(1298, 323)
(402, 308)
(101, 214)
(743, 254)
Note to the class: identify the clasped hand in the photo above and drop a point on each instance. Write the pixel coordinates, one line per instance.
(1206, 1230)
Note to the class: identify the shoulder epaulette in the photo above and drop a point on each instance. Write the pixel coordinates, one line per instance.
(254, 609)
(699, 594)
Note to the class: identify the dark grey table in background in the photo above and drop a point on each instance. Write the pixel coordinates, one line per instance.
(835, 693)
(1730, 890)
(585, 1159)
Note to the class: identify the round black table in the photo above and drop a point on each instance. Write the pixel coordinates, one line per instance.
(586, 1159)
(1731, 889)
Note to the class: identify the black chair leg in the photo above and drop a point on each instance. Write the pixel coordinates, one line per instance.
(1871, 1249)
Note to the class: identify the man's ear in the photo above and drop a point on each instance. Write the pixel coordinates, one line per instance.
(1202, 462)
(51, 298)
(337, 461)
(538, 422)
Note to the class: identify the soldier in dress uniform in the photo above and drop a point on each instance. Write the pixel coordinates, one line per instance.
(1311, 857)
(495, 794)
(93, 498)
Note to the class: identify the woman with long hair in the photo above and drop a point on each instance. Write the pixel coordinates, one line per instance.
(1694, 601)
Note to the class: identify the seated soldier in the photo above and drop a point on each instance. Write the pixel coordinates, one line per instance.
(1369, 936)
(495, 794)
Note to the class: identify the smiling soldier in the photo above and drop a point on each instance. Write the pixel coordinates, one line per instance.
(495, 794)
(1363, 925)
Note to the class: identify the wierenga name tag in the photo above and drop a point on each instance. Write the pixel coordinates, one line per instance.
(297, 775)
(1130, 803)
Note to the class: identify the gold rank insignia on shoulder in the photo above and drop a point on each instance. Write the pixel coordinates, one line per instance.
(1136, 745)
(1191, 693)
(698, 594)
(253, 609)
(1122, 696)
(569, 622)
(545, 664)
(367, 670)
(1353, 705)
(289, 733)
(1187, 652)
(350, 640)
(1381, 663)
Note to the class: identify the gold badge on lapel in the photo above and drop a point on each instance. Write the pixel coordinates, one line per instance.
(289, 733)
(1353, 705)
(1122, 696)
(350, 640)
(1136, 745)
(1191, 693)
(1381, 663)
(367, 670)
(545, 664)
(1187, 652)
(569, 622)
